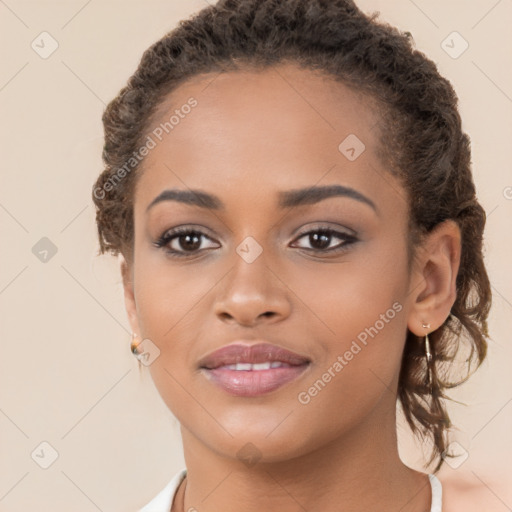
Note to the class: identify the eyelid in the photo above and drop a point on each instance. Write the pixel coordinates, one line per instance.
(327, 226)
(186, 228)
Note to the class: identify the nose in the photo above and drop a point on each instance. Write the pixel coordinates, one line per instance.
(252, 294)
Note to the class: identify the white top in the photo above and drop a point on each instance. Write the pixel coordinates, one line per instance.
(163, 500)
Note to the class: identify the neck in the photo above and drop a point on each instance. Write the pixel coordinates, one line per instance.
(358, 471)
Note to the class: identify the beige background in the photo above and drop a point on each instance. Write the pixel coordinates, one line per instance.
(67, 376)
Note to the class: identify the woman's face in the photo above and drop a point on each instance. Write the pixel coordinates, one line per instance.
(261, 265)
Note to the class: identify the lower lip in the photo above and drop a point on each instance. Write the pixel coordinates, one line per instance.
(253, 382)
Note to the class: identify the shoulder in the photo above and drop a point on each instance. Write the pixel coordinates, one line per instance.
(469, 492)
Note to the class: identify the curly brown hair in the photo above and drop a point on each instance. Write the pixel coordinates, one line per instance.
(421, 143)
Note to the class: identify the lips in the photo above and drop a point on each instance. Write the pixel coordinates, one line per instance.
(257, 354)
(253, 370)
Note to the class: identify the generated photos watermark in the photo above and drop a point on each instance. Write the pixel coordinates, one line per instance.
(344, 359)
(152, 140)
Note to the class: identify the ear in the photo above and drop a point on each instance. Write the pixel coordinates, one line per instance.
(433, 283)
(129, 296)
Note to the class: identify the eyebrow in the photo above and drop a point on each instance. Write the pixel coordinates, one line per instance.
(287, 199)
(311, 195)
(192, 197)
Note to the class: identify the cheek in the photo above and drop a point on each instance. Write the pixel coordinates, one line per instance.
(166, 295)
(358, 310)
(363, 333)
(166, 299)
(348, 297)
(174, 306)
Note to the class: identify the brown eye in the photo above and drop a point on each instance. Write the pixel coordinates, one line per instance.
(189, 242)
(184, 242)
(320, 240)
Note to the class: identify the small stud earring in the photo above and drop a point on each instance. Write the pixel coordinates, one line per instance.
(134, 345)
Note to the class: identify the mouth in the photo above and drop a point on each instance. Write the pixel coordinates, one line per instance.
(255, 355)
(252, 370)
(252, 366)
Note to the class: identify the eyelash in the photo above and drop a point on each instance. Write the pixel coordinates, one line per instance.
(176, 233)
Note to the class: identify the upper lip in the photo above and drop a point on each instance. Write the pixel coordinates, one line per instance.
(240, 352)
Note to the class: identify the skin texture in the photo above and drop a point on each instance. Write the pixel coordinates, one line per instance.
(251, 135)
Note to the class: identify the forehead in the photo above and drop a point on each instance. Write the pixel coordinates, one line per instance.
(270, 99)
(256, 124)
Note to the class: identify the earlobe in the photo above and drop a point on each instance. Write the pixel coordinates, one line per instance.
(129, 294)
(433, 287)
